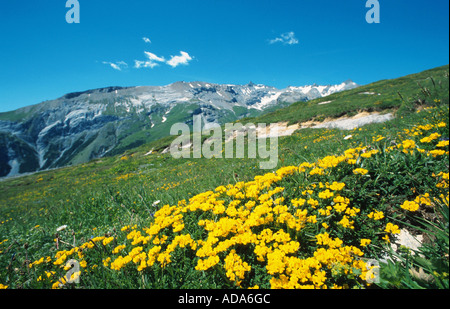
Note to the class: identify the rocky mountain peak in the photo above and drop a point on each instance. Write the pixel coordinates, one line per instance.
(84, 125)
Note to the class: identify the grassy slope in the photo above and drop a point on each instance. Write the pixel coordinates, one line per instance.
(104, 195)
(352, 101)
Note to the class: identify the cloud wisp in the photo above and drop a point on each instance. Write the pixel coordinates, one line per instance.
(287, 38)
(151, 62)
(154, 60)
(119, 65)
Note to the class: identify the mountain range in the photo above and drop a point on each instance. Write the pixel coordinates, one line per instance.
(82, 126)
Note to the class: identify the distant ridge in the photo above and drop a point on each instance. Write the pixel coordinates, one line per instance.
(84, 125)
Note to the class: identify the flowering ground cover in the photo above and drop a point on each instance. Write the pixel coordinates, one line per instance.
(333, 206)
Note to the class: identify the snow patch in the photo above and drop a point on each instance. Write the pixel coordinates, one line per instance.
(14, 168)
(149, 153)
(326, 102)
(258, 87)
(272, 97)
(370, 93)
(47, 128)
(169, 110)
(184, 99)
(357, 121)
(75, 114)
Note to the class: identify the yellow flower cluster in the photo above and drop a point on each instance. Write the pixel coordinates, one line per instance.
(408, 144)
(142, 259)
(206, 264)
(376, 215)
(414, 205)
(410, 206)
(136, 256)
(365, 242)
(233, 217)
(40, 261)
(437, 152)
(124, 177)
(368, 154)
(392, 228)
(118, 249)
(430, 138)
(263, 221)
(235, 267)
(360, 171)
(48, 274)
(444, 180)
(442, 144)
(238, 211)
(294, 272)
(420, 130)
(63, 255)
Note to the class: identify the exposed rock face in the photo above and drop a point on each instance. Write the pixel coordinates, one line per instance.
(81, 126)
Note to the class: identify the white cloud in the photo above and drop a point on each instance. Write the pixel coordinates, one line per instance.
(119, 65)
(287, 38)
(150, 63)
(177, 60)
(152, 60)
(154, 57)
(144, 64)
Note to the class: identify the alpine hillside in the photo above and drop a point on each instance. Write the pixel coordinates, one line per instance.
(81, 126)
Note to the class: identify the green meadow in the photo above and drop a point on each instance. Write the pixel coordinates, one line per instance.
(337, 199)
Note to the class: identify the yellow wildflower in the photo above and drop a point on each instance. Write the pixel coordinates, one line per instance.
(430, 138)
(118, 249)
(365, 242)
(235, 267)
(392, 228)
(335, 186)
(298, 202)
(207, 263)
(107, 240)
(410, 206)
(376, 215)
(360, 171)
(106, 261)
(407, 144)
(442, 144)
(326, 194)
(437, 152)
(316, 171)
(345, 222)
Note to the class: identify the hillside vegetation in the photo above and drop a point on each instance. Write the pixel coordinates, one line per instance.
(334, 204)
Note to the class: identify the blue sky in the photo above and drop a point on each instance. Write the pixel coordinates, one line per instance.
(272, 42)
